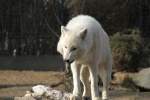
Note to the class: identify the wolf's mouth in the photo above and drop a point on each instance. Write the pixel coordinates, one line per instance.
(69, 61)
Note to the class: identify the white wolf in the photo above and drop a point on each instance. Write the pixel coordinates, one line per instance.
(85, 45)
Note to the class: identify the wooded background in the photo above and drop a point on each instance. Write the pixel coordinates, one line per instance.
(32, 27)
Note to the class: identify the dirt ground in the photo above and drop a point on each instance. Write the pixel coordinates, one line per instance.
(16, 83)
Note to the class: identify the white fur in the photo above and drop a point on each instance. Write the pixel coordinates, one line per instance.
(93, 54)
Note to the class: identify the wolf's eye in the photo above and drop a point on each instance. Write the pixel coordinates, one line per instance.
(73, 48)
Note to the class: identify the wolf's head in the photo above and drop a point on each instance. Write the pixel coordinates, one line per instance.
(70, 45)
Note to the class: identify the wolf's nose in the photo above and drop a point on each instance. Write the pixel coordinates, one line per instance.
(67, 61)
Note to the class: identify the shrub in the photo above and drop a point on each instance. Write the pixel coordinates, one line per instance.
(127, 50)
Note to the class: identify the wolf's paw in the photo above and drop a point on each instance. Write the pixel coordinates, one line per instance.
(75, 98)
(104, 97)
(96, 98)
(86, 98)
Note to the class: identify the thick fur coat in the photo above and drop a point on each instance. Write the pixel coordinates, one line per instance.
(85, 44)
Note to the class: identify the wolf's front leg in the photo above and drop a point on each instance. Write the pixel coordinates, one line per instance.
(84, 77)
(75, 68)
(94, 83)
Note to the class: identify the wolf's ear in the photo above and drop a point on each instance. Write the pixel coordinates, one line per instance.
(63, 30)
(83, 33)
